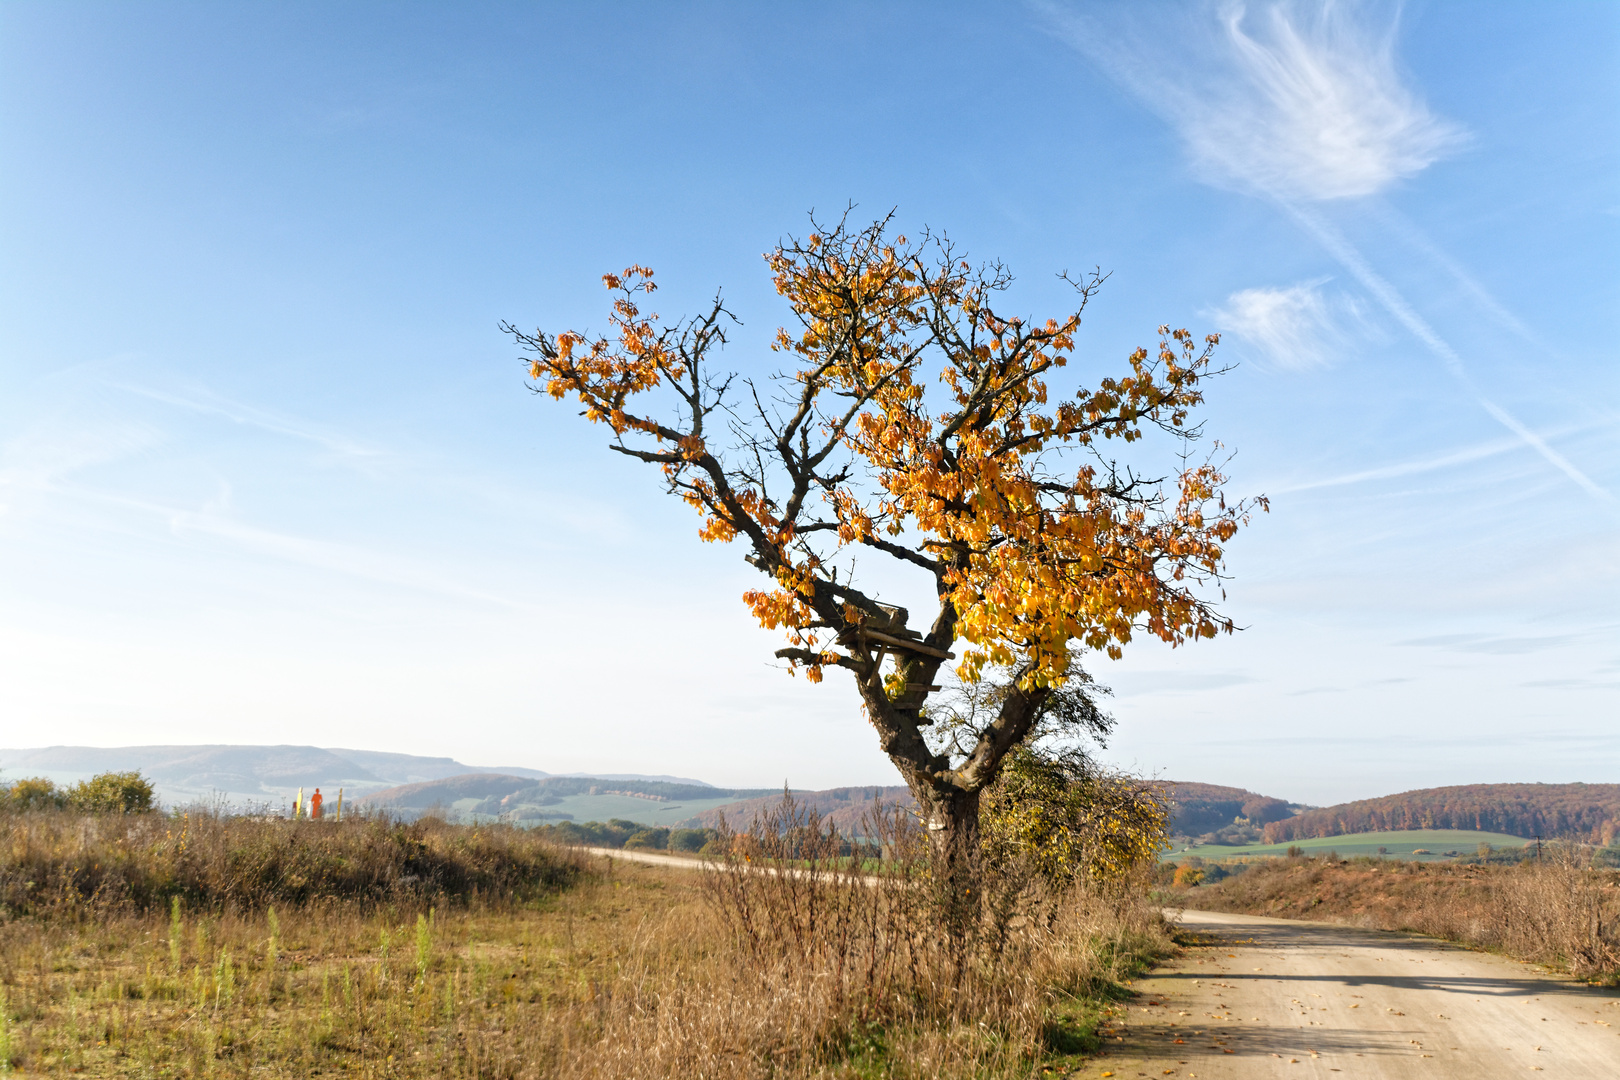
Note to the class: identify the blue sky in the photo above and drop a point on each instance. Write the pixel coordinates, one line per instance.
(269, 473)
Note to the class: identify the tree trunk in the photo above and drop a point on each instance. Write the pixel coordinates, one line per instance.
(951, 817)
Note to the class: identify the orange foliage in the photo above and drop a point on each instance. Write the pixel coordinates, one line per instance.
(914, 421)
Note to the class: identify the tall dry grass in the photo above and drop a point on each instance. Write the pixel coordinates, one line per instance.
(1557, 910)
(823, 956)
(58, 862)
(786, 960)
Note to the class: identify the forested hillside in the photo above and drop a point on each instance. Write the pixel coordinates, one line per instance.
(523, 799)
(1202, 808)
(844, 806)
(1588, 812)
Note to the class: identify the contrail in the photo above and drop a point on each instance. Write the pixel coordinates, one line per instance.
(1393, 302)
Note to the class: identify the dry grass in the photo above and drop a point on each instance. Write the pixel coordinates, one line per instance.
(1556, 911)
(62, 863)
(626, 971)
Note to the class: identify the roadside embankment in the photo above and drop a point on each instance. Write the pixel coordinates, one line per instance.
(1553, 912)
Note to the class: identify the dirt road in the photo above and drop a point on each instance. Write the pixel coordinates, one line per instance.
(1275, 997)
(651, 858)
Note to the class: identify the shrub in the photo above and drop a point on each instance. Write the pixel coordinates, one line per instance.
(1188, 876)
(112, 793)
(35, 793)
(107, 793)
(647, 840)
(611, 834)
(690, 840)
(1064, 816)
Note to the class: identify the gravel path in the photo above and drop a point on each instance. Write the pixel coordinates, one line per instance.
(651, 858)
(1276, 997)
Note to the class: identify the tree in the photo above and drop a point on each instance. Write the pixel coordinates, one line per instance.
(1029, 558)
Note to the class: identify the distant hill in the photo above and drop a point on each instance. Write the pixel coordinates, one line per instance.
(1198, 808)
(1588, 812)
(1203, 808)
(843, 806)
(252, 774)
(560, 798)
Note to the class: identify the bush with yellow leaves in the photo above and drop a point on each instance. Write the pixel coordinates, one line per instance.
(1064, 816)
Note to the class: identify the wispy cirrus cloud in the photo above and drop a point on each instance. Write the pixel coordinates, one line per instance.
(1319, 110)
(1294, 327)
(206, 402)
(1304, 105)
(1294, 101)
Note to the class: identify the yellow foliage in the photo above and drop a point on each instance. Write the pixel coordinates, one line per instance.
(912, 421)
(1066, 818)
(1028, 561)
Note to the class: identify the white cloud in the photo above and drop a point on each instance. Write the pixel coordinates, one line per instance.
(1319, 110)
(1296, 101)
(1293, 328)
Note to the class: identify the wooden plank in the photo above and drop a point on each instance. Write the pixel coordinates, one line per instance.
(909, 646)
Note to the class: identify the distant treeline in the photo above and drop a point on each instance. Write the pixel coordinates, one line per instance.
(1586, 812)
(1201, 808)
(523, 798)
(110, 792)
(845, 807)
(629, 835)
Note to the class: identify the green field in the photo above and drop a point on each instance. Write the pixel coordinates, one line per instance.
(628, 807)
(1397, 845)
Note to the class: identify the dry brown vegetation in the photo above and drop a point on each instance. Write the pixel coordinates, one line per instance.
(819, 968)
(1556, 911)
(67, 863)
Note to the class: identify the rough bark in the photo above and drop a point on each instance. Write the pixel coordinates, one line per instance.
(951, 816)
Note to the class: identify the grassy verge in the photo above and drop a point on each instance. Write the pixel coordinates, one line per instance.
(1555, 912)
(578, 970)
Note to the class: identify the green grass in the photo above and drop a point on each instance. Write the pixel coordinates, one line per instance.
(608, 807)
(1398, 845)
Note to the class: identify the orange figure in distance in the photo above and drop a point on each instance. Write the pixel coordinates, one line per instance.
(315, 804)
